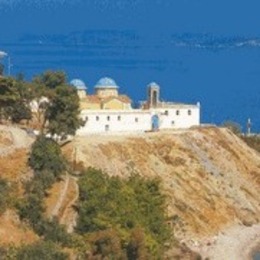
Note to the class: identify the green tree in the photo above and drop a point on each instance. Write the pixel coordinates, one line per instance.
(4, 195)
(21, 109)
(8, 96)
(60, 115)
(46, 155)
(41, 250)
(106, 245)
(63, 112)
(123, 205)
(15, 97)
(136, 249)
(1, 69)
(233, 126)
(51, 79)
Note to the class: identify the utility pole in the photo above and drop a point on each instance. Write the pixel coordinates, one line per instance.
(248, 126)
(9, 65)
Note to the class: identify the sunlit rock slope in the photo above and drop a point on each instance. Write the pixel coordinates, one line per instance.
(210, 177)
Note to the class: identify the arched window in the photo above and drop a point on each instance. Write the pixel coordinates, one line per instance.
(136, 119)
(97, 118)
(166, 112)
(119, 118)
(108, 118)
(177, 112)
(189, 112)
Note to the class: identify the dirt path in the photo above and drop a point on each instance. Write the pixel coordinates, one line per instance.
(61, 198)
(63, 208)
(69, 215)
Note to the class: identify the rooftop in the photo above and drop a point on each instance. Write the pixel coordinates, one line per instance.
(78, 84)
(106, 83)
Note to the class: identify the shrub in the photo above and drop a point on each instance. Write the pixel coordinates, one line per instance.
(46, 155)
(253, 142)
(233, 126)
(123, 205)
(4, 195)
(41, 250)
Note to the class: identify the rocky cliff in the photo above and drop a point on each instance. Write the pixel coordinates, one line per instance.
(210, 176)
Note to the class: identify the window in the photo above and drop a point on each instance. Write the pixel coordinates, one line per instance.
(177, 112)
(119, 118)
(108, 118)
(166, 112)
(97, 118)
(106, 128)
(189, 112)
(173, 122)
(136, 119)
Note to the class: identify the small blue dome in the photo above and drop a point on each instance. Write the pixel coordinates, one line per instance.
(78, 84)
(153, 85)
(106, 83)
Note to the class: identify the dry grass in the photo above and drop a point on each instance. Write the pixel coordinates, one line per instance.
(14, 169)
(5, 139)
(13, 232)
(204, 200)
(53, 197)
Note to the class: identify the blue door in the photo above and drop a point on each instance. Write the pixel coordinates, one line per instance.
(155, 122)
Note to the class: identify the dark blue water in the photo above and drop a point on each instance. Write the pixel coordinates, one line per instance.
(196, 50)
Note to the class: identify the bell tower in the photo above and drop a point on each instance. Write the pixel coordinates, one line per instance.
(153, 95)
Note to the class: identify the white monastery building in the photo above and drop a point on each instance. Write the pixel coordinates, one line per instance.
(108, 111)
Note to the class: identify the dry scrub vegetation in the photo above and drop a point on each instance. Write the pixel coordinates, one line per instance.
(210, 176)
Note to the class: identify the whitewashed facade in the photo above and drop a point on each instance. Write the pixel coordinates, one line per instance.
(139, 120)
(153, 114)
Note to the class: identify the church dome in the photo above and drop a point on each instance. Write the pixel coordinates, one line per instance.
(106, 83)
(153, 85)
(78, 84)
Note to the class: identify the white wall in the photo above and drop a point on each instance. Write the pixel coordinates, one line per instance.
(183, 116)
(115, 121)
(179, 116)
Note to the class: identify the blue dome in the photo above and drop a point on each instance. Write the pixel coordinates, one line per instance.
(106, 83)
(154, 85)
(78, 84)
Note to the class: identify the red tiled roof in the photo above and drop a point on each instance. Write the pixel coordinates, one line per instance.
(92, 99)
(122, 98)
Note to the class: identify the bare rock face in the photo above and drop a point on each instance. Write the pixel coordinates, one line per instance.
(12, 138)
(210, 176)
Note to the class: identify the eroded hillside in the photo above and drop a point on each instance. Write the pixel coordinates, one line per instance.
(211, 177)
(14, 148)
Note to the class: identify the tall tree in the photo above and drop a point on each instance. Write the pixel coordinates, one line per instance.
(60, 114)
(8, 96)
(51, 79)
(63, 112)
(1, 69)
(21, 109)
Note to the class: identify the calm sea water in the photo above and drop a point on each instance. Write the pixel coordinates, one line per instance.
(221, 73)
(196, 50)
